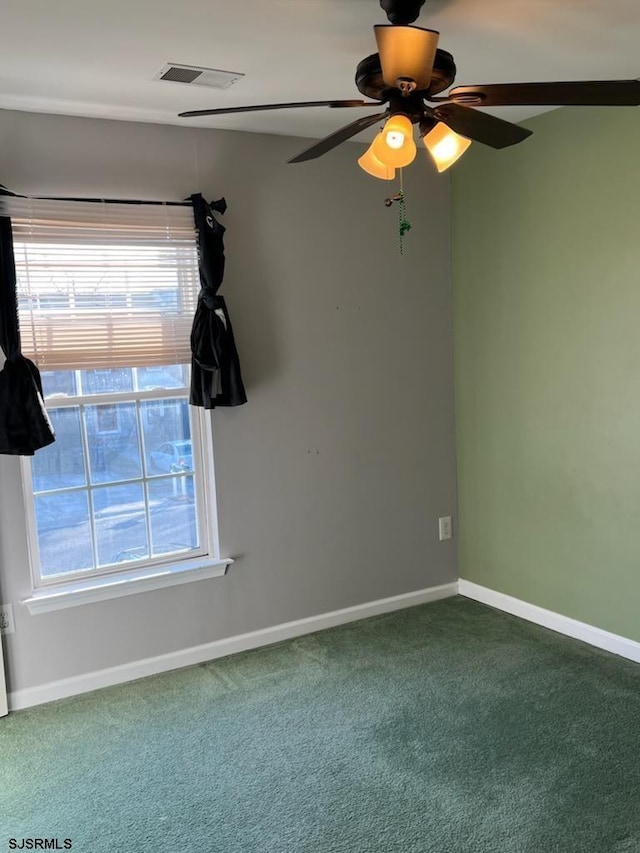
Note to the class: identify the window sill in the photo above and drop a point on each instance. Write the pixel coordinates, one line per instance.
(128, 583)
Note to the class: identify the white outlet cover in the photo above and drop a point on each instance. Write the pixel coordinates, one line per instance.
(444, 528)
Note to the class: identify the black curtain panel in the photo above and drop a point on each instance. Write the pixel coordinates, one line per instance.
(216, 379)
(24, 425)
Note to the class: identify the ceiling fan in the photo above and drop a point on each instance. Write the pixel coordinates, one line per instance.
(406, 77)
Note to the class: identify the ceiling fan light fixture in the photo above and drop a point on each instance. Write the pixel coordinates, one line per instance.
(445, 146)
(394, 145)
(398, 128)
(374, 167)
(407, 55)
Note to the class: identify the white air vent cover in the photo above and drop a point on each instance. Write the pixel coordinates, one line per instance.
(176, 72)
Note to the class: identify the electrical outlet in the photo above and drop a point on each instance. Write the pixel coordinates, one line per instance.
(7, 625)
(444, 527)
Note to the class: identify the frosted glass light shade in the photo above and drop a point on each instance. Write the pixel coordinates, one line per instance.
(406, 53)
(374, 167)
(445, 146)
(394, 146)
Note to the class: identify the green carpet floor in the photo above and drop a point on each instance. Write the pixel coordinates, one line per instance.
(446, 728)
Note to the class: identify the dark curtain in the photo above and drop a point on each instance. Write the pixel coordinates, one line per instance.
(215, 368)
(24, 425)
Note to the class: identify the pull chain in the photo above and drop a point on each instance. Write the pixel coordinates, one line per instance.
(403, 223)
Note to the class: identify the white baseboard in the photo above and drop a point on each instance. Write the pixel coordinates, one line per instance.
(220, 648)
(555, 621)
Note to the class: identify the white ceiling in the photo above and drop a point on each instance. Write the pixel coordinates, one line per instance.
(90, 58)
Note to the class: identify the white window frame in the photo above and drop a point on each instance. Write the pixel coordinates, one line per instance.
(206, 545)
(153, 574)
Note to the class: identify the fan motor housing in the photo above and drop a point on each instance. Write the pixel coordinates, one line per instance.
(402, 11)
(369, 76)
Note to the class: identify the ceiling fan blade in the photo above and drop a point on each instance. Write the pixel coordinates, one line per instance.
(336, 138)
(261, 107)
(406, 54)
(582, 93)
(480, 126)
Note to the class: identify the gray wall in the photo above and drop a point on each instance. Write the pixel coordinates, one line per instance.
(331, 479)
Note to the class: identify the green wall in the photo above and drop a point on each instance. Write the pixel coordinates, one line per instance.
(546, 276)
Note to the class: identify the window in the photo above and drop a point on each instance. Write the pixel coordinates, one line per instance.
(119, 484)
(106, 298)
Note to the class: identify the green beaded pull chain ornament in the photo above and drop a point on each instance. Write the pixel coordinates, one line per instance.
(403, 223)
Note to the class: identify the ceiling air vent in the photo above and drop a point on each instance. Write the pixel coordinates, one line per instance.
(196, 76)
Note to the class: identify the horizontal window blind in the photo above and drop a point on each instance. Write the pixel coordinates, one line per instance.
(104, 284)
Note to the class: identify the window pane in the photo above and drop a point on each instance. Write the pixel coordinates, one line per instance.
(173, 515)
(61, 464)
(167, 436)
(59, 383)
(121, 528)
(166, 300)
(167, 376)
(113, 380)
(114, 445)
(94, 301)
(64, 534)
(53, 301)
